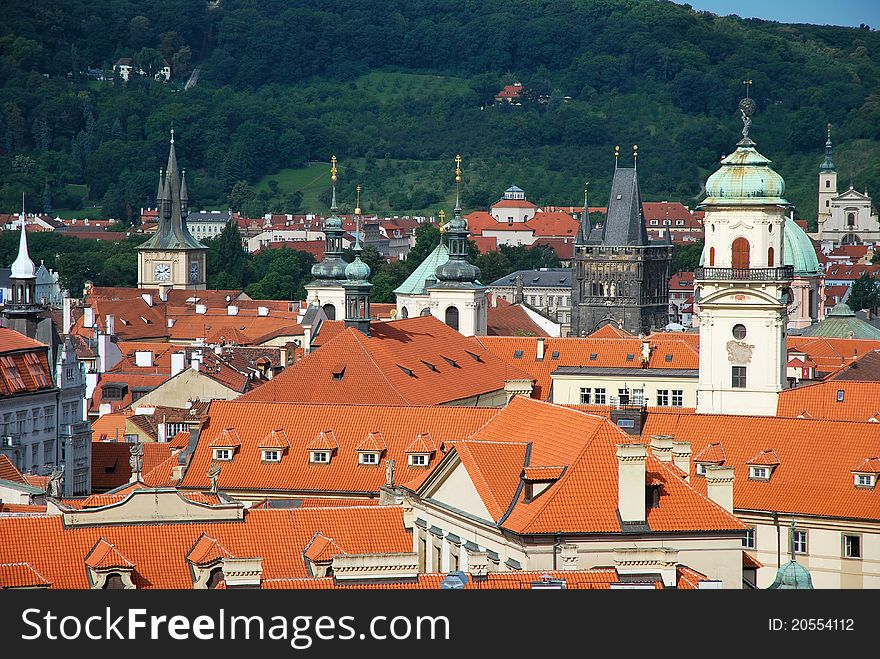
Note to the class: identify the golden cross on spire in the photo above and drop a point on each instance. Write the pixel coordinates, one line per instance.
(829, 130)
(333, 168)
(635, 152)
(357, 208)
(748, 83)
(458, 169)
(442, 215)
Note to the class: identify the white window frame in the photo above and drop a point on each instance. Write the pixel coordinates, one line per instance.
(224, 454)
(801, 547)
(864, 480)
(418, 460)
(586, 395)
(662, 397)
(759, 473)
(319, 457)
(368, 458)
(844, 551)
(677, 397)
(271, 455)
(599, 396)
(701, 469)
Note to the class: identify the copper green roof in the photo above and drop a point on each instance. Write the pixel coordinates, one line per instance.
(842, 323)
(798, 250)
(415, 284)
(792, 576)
(745, 179)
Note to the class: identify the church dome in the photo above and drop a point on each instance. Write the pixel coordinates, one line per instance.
(799, 250)
(333, 223)
(329, 268)
(357, 270)
(745, 179)
(792, 576)
(457, 271)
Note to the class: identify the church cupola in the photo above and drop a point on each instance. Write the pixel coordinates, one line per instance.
(828, 164)
(23, 272)
(743, 283)
(357, 288)
(457, 271)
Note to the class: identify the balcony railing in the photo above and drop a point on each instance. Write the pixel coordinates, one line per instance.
(749, 274)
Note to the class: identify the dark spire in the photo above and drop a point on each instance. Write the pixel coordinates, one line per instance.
(457, 272)
(332, 268)
(828, 164)
(160, 195)
(184, 196)
(624, 223)
(584, 228)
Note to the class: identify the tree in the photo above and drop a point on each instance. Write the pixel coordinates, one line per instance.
(864, 293)
(226, 258)
(493, 265)
(686, 258)
(427, 238)
(148, 60)
(241, 195)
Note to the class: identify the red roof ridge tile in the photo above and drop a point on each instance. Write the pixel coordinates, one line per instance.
(766, 457)
(326, 440)
(713, 452)
(275, 439)
(207, 550)
(372, 442)
(321, 548)
(423, 443)
(228, 437)
(869, 466)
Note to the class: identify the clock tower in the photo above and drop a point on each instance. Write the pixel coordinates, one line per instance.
(172, 257)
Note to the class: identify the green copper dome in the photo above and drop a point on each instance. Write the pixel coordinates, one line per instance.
(799, 250)
(792, 576)
(745, 179)
(333, 223)
(357, 270)
(329, 269)
(842, 323)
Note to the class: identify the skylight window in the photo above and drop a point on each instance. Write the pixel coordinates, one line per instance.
(518, 354)
(451, 362)
(555, 355)
(630, 357)
(475, 356)
(668, 358)
(406, 370)
(429, 365)
(594, 356)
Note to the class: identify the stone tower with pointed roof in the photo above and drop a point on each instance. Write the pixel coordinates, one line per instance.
(619, 276)
(172, 257)
(327, 287)
(457, 296)
(743, 285)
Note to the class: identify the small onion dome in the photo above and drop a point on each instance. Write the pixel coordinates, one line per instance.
(333, 223)
(357, 270)
(457, 270)
(329, 269)
(799, 250)
(792, 576)
(744, 179)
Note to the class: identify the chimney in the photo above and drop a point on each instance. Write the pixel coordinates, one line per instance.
(110, 328)
(540, 353)
(143, 358)
(232, 310)
(170, 323)
(661, 447)
(195, 359)
(201, 308)
(88, 317)
(631, 459)
(163, 293)
(67, 314)
(262, 311)
(148, 298)
(719, 486)
(681, 457)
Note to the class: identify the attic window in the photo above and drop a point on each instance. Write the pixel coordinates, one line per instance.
(630, 357)
(668, 358)
(701, 469)
(223, 454)
(338, 373)
(475, 356)
(406, 370)
(555, 355)
(418, 459)
(518, 354)
(319, 457)
(368, 458)
(759, 473)
(451, 362)
(428, 364)
(271, 455)
(840, 395)
(865, 480)
(146, 320)
(620, 196)
(536, 280)
(594, 356)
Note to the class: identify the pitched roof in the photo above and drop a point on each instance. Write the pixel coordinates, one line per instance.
(416, 283)
(9, 472)
(159, 550)
(20, 575)
(11, 341)
(625, 223)
(815, 460)
(416, 361)
(207, 550)
(345, 425)
(111, 467)
(104, 556)
(505, 319)
(840, 400)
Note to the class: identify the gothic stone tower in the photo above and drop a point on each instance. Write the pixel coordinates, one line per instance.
(743, 286)
(619, 276)
(172, 257)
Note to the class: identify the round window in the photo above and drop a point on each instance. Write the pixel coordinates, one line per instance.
(739, 331)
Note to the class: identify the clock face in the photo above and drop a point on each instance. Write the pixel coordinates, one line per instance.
(194, 271)
(162, 272)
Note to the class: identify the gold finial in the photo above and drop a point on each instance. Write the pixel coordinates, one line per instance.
(748, 83)
(616, 154)
(357, 208)
(829, 130)
(635, 152)
(442, 215)
(333, 168)
(458, 169)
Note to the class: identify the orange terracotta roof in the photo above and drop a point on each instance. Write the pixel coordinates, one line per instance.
(816, 458)
(543, 473)
(276, 438)
(9, 472)
(750, 562)
(11, 341)
(228, 437)
(373, 442)
(207, 550)
(507, 319)
(104, 556)
(159, 550)
(840, 400)
(325, 441)
(110, 426)
(20, 575)
(423, 443)
(322, 548)
(712, 453)
(24, 364)
(766, 457)
(304, 423)
(111, 467)
(609, 331)
(180, 440)
(392, 366)
(589, 351)
(513, 203)
(316, 502)
(869, 466)
(21, 508)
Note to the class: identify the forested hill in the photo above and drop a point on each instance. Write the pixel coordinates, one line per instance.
(396, 88)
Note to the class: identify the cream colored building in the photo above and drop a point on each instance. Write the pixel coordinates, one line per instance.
(660, 387)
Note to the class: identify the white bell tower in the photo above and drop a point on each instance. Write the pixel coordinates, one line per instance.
(827, 184)
(743, 285)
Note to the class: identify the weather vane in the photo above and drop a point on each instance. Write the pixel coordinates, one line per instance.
(747, 107)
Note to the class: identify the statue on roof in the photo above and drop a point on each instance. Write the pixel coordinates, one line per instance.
(137, 458)
(213, 474)
(389, 473)
(56, 481)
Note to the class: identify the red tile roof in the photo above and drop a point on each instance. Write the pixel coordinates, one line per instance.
(507, 319)
(393, 366)
(12, 341)
(159, 550)
(111, 467)
(869, 466)
(207, 550)
(513, 203)
(816, 458)
(24, 364)
(20, 575)
(859, 401)
(9, 472)
(342, 425)
(104, 556)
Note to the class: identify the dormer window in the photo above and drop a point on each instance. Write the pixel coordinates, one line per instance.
(369, 458)
(319, 457)
(759, 473)
(840, 395)
(865, 480)
(701, 468)
(271, 455)
(418, 459)
(223, 454)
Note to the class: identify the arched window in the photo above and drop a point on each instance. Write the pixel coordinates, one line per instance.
(850, 219)
(827, 183)
(740, 253)
(329, 311)
(452, 317)
(425, 312)
(770, 255)
(711, 257)
(113, 582)
(404, 312)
